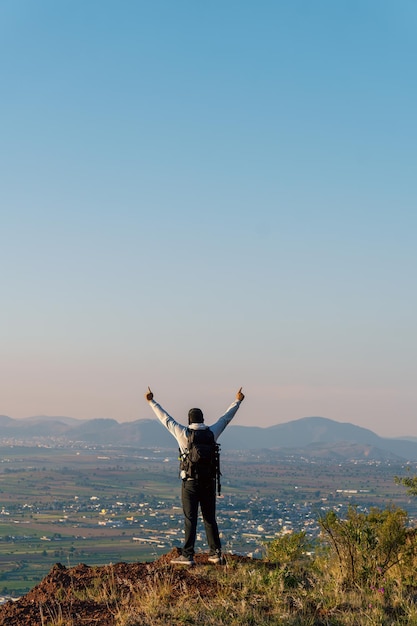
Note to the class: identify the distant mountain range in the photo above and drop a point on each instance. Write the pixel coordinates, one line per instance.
(317, 437)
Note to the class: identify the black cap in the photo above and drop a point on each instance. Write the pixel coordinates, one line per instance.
(195, 416)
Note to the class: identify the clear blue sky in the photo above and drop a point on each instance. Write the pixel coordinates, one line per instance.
(197, 196)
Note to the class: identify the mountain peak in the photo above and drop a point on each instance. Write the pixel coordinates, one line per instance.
(149, 433)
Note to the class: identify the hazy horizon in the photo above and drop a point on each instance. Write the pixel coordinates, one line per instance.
(199, 197)
(235, 422)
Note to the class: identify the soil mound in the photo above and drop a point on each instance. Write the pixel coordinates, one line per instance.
(90, 596)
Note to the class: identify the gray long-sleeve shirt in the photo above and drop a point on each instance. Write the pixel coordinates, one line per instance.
(180, 432)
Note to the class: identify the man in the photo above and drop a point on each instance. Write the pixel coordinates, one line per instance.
(196, 491)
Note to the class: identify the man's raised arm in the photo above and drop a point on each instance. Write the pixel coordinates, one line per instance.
(176, 429)
(225, 419)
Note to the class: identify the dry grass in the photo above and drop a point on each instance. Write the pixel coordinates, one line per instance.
(249, 594)
(303, 591)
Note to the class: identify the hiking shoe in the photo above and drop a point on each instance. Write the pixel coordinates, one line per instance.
(217, 559)
(183, 560)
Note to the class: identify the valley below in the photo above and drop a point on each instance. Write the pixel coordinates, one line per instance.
(97, 505)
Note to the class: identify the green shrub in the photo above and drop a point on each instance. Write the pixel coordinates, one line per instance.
(367, 545)
(287, 548)
(410, 482)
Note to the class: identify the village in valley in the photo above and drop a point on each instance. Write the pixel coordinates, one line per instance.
(80, 503)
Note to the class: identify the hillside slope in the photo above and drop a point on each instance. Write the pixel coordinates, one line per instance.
(107, 595)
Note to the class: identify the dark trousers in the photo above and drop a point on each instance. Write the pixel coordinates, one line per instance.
(203, 494)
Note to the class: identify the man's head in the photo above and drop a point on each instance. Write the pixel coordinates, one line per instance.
(195, 416)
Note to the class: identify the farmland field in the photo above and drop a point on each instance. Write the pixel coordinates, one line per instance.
(100, 505)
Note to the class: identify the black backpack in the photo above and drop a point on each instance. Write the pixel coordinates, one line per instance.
(201, 459)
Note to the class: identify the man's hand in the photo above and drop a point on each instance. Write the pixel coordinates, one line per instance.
(149, 394)
(239, 395)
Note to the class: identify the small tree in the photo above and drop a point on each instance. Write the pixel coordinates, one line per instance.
(366, 546)
(410, 482)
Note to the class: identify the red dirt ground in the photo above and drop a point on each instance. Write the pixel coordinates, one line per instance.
(60, 595)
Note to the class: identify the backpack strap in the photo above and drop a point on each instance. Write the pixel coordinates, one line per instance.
(218, 472)
(184, 467)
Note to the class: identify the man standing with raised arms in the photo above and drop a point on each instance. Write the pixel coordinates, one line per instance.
(197, 491)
